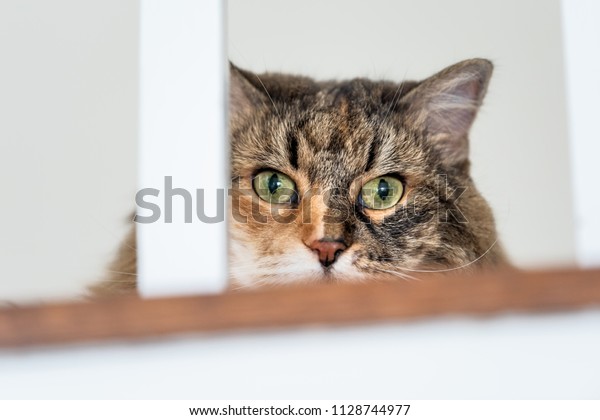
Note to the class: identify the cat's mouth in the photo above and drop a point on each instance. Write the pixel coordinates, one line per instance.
(328, 273)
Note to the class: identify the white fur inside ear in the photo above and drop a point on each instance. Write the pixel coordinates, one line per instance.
(450, 115)
(243, 97)
(453, 109)
(447, 103)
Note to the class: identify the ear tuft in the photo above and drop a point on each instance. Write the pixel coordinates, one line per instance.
(244, 98)
(445, 106)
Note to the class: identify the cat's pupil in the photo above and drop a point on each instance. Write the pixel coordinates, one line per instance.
(274, 183)
(383, 189)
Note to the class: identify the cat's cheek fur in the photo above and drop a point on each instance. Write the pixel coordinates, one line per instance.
(250, 268)
(346, 270)
(298, 266)
(260, 256)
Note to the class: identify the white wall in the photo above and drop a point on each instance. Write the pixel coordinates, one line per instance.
(68, 128)
(68, 109)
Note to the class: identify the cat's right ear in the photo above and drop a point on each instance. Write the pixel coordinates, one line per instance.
(244, 98)
(446, 104)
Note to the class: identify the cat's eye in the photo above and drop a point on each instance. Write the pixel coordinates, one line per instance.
(381, 193)
(275, 187)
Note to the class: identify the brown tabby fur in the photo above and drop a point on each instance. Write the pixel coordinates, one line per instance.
(330, 138)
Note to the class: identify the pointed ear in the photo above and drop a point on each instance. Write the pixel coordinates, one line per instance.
(244, 98)
(446, 104)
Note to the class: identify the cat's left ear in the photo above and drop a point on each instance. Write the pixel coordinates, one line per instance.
(244, 98)
(446, 104)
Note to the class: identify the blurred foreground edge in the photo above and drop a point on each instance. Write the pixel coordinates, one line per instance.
(303, 305)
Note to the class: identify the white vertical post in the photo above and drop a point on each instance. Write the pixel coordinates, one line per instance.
(582, 63)
(182, 136)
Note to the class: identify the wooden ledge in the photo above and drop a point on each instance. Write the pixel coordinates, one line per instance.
(127, 318)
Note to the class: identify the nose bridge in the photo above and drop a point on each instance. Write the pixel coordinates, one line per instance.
(332, 234)
(336, 220)
(326, 215)
(335, 226)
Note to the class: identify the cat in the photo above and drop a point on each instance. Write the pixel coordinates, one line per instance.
(347, 180)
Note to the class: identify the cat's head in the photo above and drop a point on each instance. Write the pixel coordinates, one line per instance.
(343, 180)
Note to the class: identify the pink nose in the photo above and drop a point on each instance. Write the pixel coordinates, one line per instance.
(328, 250)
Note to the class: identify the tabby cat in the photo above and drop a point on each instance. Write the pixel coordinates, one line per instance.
(336, 181)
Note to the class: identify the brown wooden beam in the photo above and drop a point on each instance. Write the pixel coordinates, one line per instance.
(130, 317)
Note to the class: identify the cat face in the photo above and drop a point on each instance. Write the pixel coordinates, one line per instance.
(337, 181)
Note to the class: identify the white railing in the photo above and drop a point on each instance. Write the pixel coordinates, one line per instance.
(182, 135)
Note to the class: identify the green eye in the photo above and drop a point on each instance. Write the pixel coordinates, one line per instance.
(381, 193)
(275, 187)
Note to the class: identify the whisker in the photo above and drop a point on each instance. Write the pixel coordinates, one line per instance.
(269, 95)
(397, 96)
(122, 272)
(400, 274)
(445, 270)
